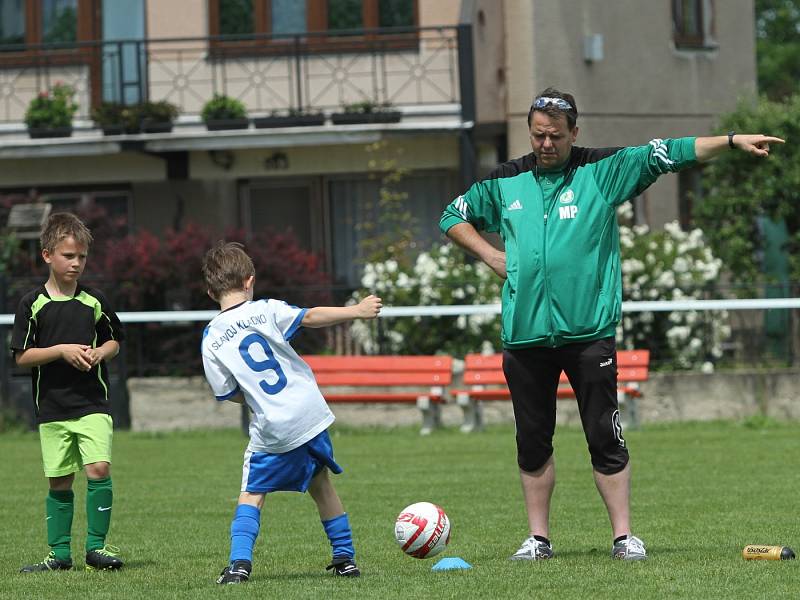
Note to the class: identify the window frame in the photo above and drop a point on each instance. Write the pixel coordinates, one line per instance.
(319, 40)
(704, 15)
(38, 53)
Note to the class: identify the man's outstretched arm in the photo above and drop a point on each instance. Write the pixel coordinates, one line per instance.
(707, 148)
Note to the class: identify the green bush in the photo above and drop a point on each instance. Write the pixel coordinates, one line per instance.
(114, 114)
(367, 107)
(222, 107)
(131, 117)
(52, 109)
(156, 112)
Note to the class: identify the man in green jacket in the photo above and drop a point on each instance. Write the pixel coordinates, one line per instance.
(555, 210)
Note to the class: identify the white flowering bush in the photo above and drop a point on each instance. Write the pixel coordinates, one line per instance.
(670, 264)
(441, 276)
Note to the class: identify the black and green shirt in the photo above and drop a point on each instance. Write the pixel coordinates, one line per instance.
(564, 282)
(60, 391)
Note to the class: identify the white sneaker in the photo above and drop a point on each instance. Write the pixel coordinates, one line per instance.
(533, 549)
(631, 548)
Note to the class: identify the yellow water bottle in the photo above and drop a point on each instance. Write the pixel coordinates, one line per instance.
(759, 552)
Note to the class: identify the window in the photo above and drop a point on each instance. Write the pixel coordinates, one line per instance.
(288, 16)
(355, 199)
(692, 23)
(112, 204)
(236, 17)
(262, 18)
(396, 13)
(59, 21)
(344, 14)
(284, 205)
(24, 24)
(12, 22)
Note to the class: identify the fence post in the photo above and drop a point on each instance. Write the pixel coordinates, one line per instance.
(5, 386)
(120, 399)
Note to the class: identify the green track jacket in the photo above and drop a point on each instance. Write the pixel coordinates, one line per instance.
(562, 238)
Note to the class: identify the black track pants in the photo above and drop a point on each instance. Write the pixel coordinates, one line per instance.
(532, 375)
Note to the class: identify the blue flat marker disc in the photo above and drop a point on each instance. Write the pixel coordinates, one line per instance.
(447, 564)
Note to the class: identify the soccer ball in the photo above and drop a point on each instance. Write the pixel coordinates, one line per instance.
(422, 530)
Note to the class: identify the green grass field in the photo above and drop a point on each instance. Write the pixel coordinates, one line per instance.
(701, 492)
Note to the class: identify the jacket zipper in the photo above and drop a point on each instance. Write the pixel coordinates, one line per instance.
(545, 269)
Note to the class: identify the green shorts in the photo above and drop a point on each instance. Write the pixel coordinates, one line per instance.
(69, 445)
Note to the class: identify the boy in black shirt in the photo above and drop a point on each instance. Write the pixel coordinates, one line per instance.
(66, 332)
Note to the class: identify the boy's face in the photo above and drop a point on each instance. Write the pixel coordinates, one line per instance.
(67, 260)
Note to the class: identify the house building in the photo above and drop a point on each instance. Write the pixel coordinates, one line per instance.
(459, 76)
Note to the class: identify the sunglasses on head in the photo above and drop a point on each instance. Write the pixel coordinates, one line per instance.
(544, 101)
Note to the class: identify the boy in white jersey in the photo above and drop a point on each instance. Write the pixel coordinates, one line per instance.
(247, 358)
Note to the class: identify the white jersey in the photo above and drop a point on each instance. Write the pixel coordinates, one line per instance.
(246, 349)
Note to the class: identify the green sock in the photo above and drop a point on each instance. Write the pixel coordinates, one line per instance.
(59, 508)
(98, 512)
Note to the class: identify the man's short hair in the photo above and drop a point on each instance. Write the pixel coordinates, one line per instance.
(551, 109)
(60, 226)
(225, 267)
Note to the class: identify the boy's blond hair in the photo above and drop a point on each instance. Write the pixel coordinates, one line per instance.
(225, 268)
(63, 225)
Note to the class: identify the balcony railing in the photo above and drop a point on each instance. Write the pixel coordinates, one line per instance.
(314, 71)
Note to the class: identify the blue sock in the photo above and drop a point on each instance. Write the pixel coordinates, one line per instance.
(340, 536)
(244, 531)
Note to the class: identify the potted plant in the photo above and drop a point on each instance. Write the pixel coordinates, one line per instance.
(224, 112)
(295, 117)
(156, 117)
(366, 112)
(115, 118)
(50, 113)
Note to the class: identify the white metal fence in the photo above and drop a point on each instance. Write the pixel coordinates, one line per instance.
(168, 316)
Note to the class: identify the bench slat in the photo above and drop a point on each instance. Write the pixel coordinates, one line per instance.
(388, 398)
(320, 363)
(383, 379)
(480, 370)
(496, 377)
(625, 358)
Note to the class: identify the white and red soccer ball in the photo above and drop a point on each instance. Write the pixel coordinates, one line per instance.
(422, 530)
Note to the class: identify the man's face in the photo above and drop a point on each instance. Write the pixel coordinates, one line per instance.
(551, 139)
(67, 260)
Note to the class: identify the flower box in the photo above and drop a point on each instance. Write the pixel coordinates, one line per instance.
(223, 124)
(119, 129)
(392, 116)
(309, 120)
(156, 126)
(49, 132)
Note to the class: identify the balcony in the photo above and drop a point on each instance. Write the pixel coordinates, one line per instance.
(423, 73)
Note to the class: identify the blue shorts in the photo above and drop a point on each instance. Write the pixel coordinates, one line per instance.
(291, 471)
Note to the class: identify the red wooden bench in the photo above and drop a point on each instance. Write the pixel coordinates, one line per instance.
(386, 379)
(483, 373)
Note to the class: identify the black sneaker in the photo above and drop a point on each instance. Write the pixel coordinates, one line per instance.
(238, 572)
(103, 559)
(344, 567)
(50, 563)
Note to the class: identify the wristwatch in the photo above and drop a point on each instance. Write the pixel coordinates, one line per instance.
(730, 139)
